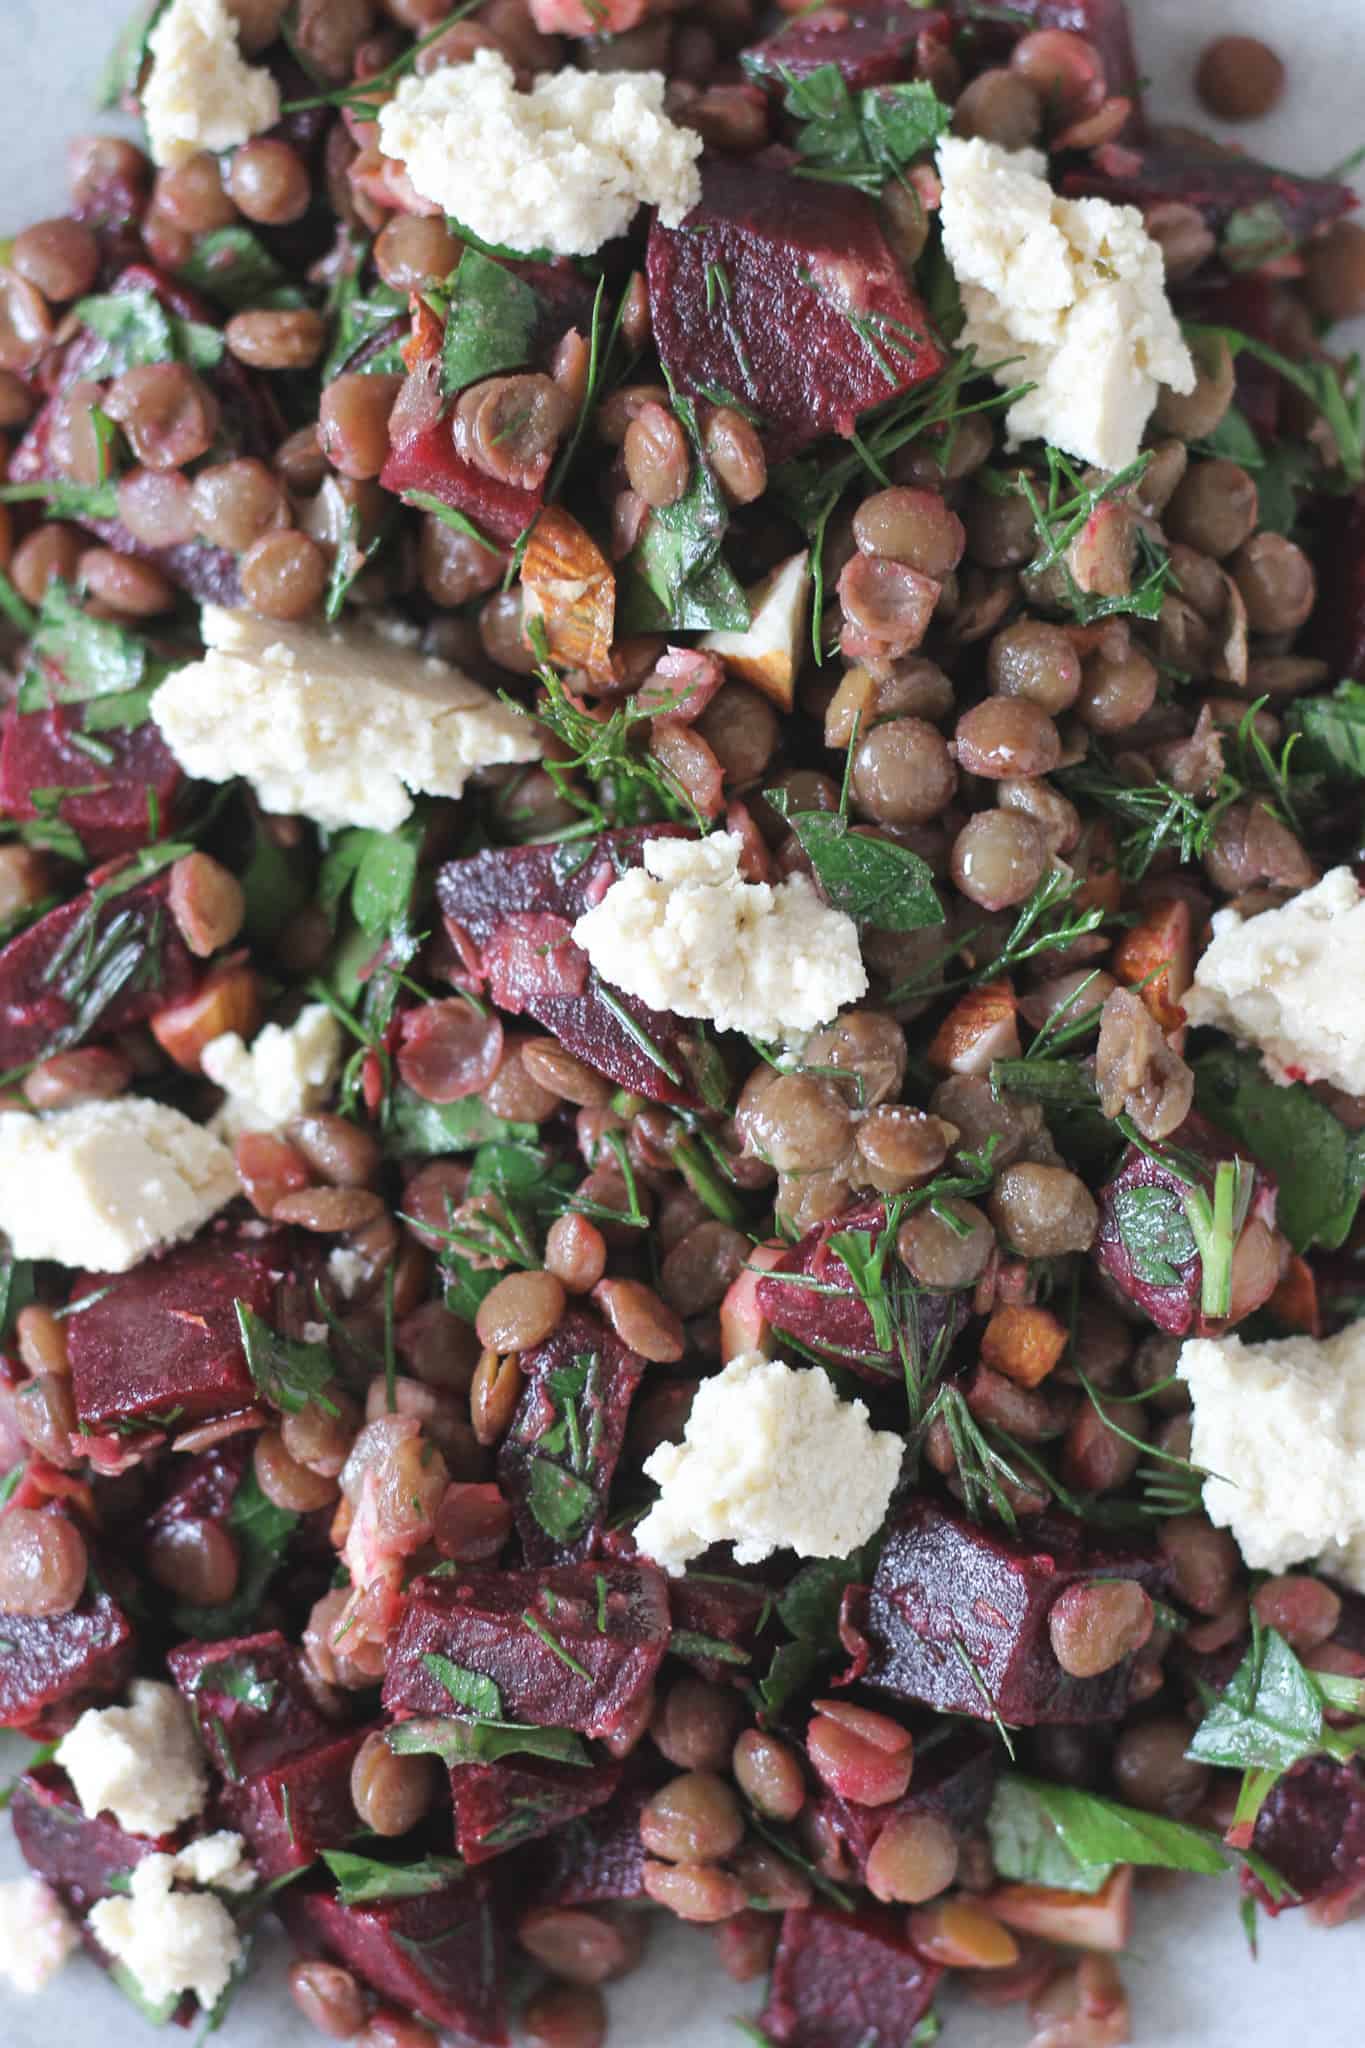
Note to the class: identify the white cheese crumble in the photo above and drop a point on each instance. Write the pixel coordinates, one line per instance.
(201, 93)
(104, 1183)
(686, 933)
(337, 725)
(1282, 1424)
(285, 1072)
(36, 1935)
(1289, 981)
(216, 1862)
(561, 167)
(171, 1942)
(1071, 291)
(772, 1459)
(349, 1269)
(141, 1762)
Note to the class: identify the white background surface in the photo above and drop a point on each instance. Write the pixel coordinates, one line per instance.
(1191, 1980)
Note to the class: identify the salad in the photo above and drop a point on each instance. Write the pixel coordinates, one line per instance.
(682, 1017)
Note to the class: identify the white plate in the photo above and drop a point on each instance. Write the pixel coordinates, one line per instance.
(1192, 1982)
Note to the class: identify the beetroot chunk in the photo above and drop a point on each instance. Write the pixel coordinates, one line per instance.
(558, 1457)
(298, 1807)
(111, 802)
(1311, 1830)
(50, 990)
(954, 1780)
(1218, 187)
(1105, 23)
(537, 1636)
(957, 1617)
(717, 1622)
(66, 1661)
(815, 323)
(439, 1955)
(846, 1980)
(80, 1858)
(830, 1318)
(428, 462)
(510, 912)
(249, 1700)
(869, 45)
(499, 1806)
(594, 1861)
(164, 1340)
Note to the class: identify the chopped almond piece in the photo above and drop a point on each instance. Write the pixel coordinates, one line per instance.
(570, 588)
(1102, 1919)
(1295, 1301)
(981, 1027)
(229, 1000)
(1155, 957)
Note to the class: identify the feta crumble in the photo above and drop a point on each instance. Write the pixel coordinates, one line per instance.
(201, 93)
(561, 167)
(104, 1183)
(1282, 1424)
(1289, 982)
(339, 726)
(1071, 291)
(772, 1459)
(686, 933)
(285, 1072)
(216, 1863)
(36, 1936)
(170, 1941)
(141, 1762)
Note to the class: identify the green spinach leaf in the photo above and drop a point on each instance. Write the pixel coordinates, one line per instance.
(492, 321)
(1319, 1164)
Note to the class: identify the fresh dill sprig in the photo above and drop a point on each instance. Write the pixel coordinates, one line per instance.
(1157, 814)
(1062, 516)
(630, 782)
(1042, 925)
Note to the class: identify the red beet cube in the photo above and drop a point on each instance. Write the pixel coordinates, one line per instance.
(250, 1701)
(493, 900)
(80, 1858)
(955, 1770)
(815, 324)
(164, 1337)
(717, 1623)
(1311, 1830)
(500, 1806)
(428, 462)
(112, 809)
(67, 1661)
(846, 1980)
(298, 1807)
(439, 1955)
(571, 1647)
(558, 1457)
(1216, 186)
(957, 1617)
(1105, 23)
(870, 45)
(831, 1318)
(598, 1859)
(45, 976)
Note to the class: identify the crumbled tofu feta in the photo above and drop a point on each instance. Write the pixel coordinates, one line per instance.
(561, 167)
(1071, 291)
(171, 1942)
(349, 1269)
(141, 1762)
(36, 1936)
(1290, 982)
(1282, 1424)
(772, 1459)
(285, 1072)
(216, 1862)
(103, 1184)
(339, 725)
(686, 933)
(201, 93)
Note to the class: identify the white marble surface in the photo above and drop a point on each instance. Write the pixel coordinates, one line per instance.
(1192, 1982)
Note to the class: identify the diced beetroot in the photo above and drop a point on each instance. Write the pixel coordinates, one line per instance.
(599, 1859)
(957, 1617)
(54, 1665)
(521, 1629)
(250, 1701)
(164, 1337)
(1124, 1247)
(870, 45)
(80, 1858)
(838, 1324)
(954, 1778)
(115, 800)
(439, 1955)
(1216, 186)
(846, 1980)
(487, 901)
(298, 1807)
(1339, 619)
(1311, 1830)
(1105, 23)
(552, 1475)
(817, 323)
(428, 462)
(36, 1017)
(500, 1806)
(727, 1612)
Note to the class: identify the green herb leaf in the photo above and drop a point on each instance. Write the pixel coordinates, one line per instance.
(484, 1742)
(1158, 816)
(363, 1879)
(689, 1642)
(288, 1373)
(469, 1689)
(873, 881)
(562, 1503)
(137, 329)
(94, 657)
(1042, 1833)
(1061, 518)
(1254, 235)
(237, 1678)
(233, 266)
(809, 1611)
(431, 1129)
(1318, 1163)
(1156, 1233)
(123, 67)
(860, 139)
(1333, 732)
(63, 499)
(1269, 1715)
(680, 580)
(358, 318)
(492, 322)
(1333, 388)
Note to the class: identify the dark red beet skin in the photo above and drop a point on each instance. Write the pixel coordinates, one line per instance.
(298, 1807)
(80, 1858)
(112, 813)
(601, 1410)
(1216, 186)
(439, 1955)
(870, 45)
(164, 1337)
(249, 1701)
(499, 1806)
(1311, 1830)
(818, 324)
(846, 1980)
(482, 1621)
(63, 1662)
(957, 1617)
(498, 908)
(36, 1018)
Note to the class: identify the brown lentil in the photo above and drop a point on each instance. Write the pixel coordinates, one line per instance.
(92, 1073)
(391, 1793)
(1151, 1769)
(640, 1319)
(1002, 107)
(735, 453)
(328, 1997)
(268, 182)
(1214, 508)
(283, 575)
(903, 773)
(1035, 660)
(284, 1482)
(49, 554)
(43, 1562)
(290, 338)
(195, 1559)
(939, 1256)
(914, 527)
(1204, 1561)
(1239, 78)
(768, 1773)
(694, 1725)
(1007, 737)
(1092, 1627)
(520, 1312)
(59, 258)
(694, 1891)
(1042, 1211)
(565, 2016)
(998, 859)
(493, 1395)
(914, 1858)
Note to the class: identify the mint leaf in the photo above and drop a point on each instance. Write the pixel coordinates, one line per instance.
(1253, 235)
(289, 1374)
(1040, 1831)
(1269, 1715)
(431, 1129)
(233, 266)
(1027, 1844)
(1156, 1233)
(492, 320)
(137, 329)
(680, 579)
(94, 657)
(363, 1879)
(873, 881)
(562, 1503)
(860, 139)
(237, 1678)
(469, 1689)
(359, 319)
(484, 1742)
(1333, 729)
(123, 66)
(1318, 1163)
